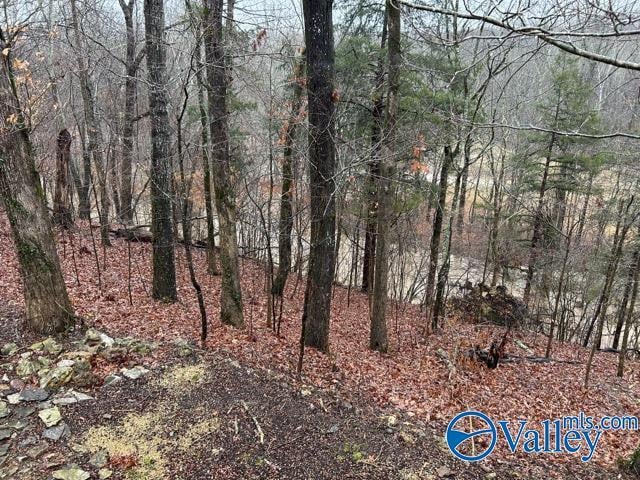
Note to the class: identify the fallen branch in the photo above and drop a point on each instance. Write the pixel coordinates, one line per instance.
(536, 359)
(523, 346)
(255, 421)
(442, 355)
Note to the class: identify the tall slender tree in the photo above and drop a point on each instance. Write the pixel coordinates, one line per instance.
(164, 270)
(95, 142)
(217, 80)
(131, 64)
(285, 224)
(378, 332)
(318, 22)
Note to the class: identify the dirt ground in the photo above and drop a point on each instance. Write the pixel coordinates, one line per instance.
(199, 415)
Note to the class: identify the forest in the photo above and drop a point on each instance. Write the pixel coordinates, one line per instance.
(314, 239)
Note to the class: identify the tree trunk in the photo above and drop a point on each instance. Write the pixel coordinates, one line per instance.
(378, 331)
(628, 287)
(437, 230)
(463, 182)
(94, 132)
(603, 302)
(630, 319)
(368, 261)
(285, 224)
(537, 226)
(62, 214)
(48, 309)
(318, 21)
(164, 270)
(84, 186)
(212, 266)
(130, 100)
(231, 295)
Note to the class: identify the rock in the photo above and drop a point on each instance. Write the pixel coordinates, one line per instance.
(82, 374)
(8, 471)
(35, 452)
(33, 394)
(15, 424)
(391, 420)
(333, 429)
(66, 400)
(53, 460)
(55, 433)
(106, 340)
(104, 473)
(81, 397)
(48, 345)
(99, 459)
(27, 367)
(444, 472)
(134, 373)
(184, 347)
(71, 472)
(4, 409)
(23, 411)
(111, 379)
(57, 377)
(79, 448)
(50, 416)
(5, 389)
(66, 362)
(92, 337)
(490, 476)
(16, 384)
(9, 349)
(4, 449)
(5, 433)
(13, 399)
(29, 441)
(407, 438)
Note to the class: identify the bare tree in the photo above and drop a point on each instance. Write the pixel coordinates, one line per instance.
(318, 21)
(217, 80)
(164, 270)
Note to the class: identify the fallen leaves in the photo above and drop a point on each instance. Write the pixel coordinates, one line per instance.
(411, 377)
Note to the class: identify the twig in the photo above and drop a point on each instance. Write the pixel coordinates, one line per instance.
(255, 421)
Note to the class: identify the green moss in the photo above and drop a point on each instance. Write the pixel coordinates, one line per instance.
(352, 452)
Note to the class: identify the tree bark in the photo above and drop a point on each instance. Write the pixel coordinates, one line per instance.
(536, 238)
(318, 21)
(164, 271)
(94, 132)
(212, 266)
(434, 249)
(368, 260)
(630, 319)
(132, 63)
(603, 302)
(231, 295)
(48, 309)
(62, 214)
(628, 287)
(378, 332)
(285, 224)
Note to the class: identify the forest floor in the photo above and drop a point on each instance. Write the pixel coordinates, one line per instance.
(354, 414)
